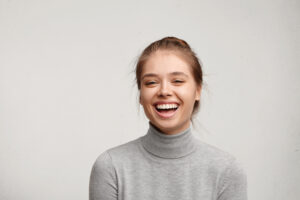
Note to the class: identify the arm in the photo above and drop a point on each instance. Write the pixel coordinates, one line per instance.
(103, 181)
(234, 183)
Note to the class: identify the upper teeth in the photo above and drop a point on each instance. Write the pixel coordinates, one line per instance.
(166, 106)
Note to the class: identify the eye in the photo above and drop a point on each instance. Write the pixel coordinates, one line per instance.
(178, 81)
(150, 82)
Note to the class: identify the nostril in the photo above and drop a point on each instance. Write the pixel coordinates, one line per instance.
(164, 93)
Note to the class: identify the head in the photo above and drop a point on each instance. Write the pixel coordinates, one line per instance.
(169, 78)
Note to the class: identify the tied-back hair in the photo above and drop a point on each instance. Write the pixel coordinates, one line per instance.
(177, 46)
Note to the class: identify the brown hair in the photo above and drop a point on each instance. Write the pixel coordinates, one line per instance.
(172, 44)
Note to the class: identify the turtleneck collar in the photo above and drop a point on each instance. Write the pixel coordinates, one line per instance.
(169, 146)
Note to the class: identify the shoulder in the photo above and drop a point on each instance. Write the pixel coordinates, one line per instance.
(219, 160)
(232, 179)
(214, 154)
(118, 153)
(103, 166)
(124, 150)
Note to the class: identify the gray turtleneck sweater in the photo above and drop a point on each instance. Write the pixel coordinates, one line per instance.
(157, 166)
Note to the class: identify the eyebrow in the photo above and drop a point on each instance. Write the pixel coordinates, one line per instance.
(172, 73)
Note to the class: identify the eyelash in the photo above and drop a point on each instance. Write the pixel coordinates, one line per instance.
(150, 83)
(178, 81)
(153, 82)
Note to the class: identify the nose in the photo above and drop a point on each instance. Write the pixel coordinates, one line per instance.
(164, 89)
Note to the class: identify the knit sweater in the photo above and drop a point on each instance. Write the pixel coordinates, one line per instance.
(158, 166)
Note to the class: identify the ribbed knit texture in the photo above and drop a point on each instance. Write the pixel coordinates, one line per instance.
(157, 166)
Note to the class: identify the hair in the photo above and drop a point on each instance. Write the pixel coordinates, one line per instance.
(178, 46)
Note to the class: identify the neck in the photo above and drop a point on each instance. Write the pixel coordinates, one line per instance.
(172, 131)
(169, 146)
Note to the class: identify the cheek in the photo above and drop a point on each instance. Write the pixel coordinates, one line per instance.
(145, 96)
(187, 94)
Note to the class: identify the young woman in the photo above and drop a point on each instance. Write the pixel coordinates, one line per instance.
(168, 162)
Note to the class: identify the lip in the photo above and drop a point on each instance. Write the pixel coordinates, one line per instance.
(168, 115)
(165, 102)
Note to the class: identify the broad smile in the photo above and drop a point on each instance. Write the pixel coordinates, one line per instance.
(166, 110)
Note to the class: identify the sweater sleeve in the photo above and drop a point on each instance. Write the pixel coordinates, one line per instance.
(103, 181)
(234, 181)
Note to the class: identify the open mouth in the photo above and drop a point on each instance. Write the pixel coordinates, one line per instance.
(166, 110)
(166, 107)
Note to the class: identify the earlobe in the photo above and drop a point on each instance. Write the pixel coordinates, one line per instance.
(198, 93)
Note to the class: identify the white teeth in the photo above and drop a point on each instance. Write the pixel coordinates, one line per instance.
(166, 106)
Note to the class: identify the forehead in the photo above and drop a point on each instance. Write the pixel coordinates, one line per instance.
(165, 62)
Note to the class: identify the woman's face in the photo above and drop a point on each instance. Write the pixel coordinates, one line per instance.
(168, 91)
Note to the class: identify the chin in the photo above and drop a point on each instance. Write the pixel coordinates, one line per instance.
(166, 126)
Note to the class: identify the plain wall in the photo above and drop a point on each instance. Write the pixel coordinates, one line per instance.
(67, 88)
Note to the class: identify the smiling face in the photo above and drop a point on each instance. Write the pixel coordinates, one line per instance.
(168, 91)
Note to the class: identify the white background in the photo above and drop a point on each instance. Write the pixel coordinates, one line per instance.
(67, 88)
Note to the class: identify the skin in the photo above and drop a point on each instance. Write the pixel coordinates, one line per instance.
(167, 77)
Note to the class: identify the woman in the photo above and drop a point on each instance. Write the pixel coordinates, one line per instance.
(168, 162)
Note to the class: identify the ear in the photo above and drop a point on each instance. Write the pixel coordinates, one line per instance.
(140, 100)
(198, 93)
